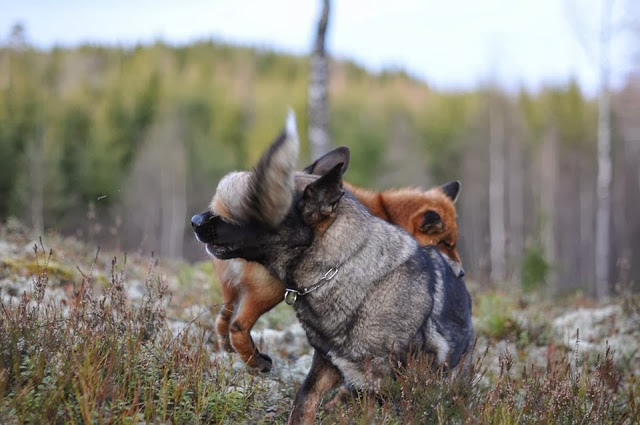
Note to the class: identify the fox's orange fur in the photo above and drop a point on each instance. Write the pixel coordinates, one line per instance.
(250, 289)
(407, 207)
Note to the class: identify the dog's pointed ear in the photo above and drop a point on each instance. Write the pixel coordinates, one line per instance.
(329, 160)
(272, 181)
(451, 189)
(321, 197)
(431, 223)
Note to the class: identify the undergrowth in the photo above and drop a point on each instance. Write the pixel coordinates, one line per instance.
(98, 358)
(561, 393)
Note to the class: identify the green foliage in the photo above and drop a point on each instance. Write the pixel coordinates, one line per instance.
(363, 131)
(533, 114)
(497, 317)
(443, 125)
(571, 115)
(92, 109)
(535, 268)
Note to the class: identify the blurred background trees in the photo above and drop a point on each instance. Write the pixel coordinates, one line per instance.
(123, 145)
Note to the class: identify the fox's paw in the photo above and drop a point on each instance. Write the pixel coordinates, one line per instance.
(262, 362)
(226, 344)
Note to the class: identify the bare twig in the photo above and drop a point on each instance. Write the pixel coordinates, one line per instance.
(189, 324)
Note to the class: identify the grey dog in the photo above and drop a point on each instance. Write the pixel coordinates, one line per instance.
(366, 294)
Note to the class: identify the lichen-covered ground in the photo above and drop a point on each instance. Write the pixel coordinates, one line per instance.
(89, 336)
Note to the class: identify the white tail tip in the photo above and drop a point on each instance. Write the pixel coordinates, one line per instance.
(291, 127)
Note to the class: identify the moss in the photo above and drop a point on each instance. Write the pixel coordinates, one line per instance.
(30, 267)
(497, 319)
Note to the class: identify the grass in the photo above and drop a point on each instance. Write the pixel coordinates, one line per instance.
(560, 393)
(96, 356)
(97, 359)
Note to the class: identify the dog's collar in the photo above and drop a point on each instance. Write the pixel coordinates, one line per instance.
(291, 295)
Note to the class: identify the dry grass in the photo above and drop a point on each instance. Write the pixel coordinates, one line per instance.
(561, 393)
(100, 358)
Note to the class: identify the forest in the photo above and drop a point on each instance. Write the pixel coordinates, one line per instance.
(108, 304)
(119, 146)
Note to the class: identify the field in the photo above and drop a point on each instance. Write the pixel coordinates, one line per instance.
(88, 336)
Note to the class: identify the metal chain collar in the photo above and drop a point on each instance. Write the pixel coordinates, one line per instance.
(291, 295)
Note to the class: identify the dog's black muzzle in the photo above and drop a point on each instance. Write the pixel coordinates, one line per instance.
(203, 227)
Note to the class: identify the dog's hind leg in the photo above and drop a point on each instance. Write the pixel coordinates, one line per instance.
(321, 378)
(253, 305)
(230, 294)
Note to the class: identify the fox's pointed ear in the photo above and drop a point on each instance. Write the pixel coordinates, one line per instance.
(329, 160)
(271, 191)
(321, 197)
(431, 223)
(451, 189)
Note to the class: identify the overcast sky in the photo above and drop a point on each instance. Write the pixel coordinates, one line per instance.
(449, 44)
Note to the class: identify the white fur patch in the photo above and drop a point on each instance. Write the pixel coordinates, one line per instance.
(291, 128)
(440, 343)
(351, 373)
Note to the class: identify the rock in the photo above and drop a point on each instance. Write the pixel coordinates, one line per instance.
(134, 290)
(7, 248)
(597, 328)
(298, 369)
(289, 343)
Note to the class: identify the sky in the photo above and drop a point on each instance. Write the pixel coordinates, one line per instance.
(453, 44)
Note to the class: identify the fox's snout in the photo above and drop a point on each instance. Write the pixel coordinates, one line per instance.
(203, 227)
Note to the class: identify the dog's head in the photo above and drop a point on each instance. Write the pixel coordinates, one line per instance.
(270, 213)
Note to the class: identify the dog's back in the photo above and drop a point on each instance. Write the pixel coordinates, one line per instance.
(448, 332)
(390, 296)
(430, 216)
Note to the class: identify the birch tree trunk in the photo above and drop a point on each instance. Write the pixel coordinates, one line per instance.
(515, 184)
(548, 183)
(173, 191)
(603, 210)
(496, 190)
(318, 99)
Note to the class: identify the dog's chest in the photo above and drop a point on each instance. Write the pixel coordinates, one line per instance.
(327, 317)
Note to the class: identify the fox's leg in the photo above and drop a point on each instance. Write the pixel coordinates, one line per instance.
(255, 303)
(230, 295)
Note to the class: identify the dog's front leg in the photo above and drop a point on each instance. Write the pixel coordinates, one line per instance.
(321, 378)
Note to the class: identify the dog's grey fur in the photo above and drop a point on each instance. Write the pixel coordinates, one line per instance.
(389, 298)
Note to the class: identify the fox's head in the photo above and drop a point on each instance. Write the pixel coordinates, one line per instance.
(271, 213)
(430, 217)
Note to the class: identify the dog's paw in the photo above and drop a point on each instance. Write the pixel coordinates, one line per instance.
(262, 362)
